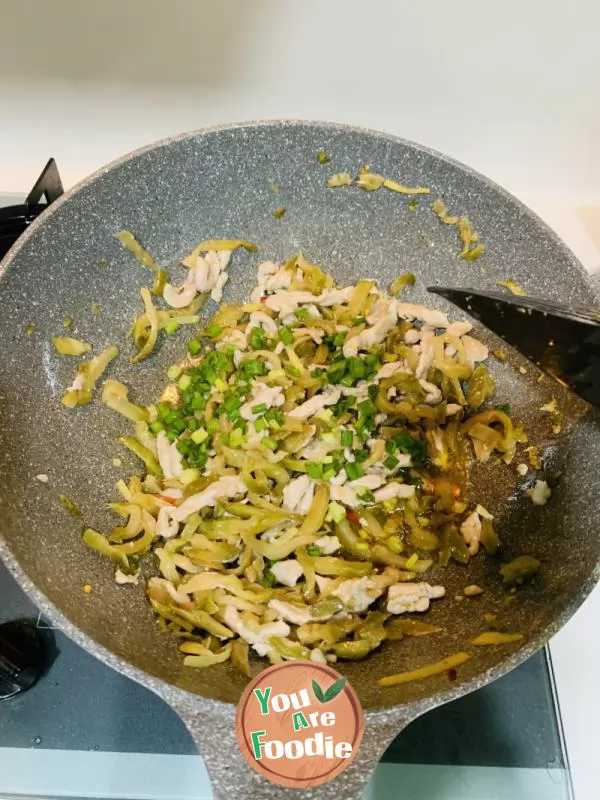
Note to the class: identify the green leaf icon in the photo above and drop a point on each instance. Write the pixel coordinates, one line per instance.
(335, 688)
(318, 692)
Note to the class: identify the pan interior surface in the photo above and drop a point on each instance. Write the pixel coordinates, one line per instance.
(219, 184)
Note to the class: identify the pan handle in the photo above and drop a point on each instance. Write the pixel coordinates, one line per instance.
(233, 779)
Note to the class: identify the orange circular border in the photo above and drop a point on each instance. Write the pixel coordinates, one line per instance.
(270, 773)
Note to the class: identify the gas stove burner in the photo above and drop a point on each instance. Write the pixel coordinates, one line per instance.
(23, 657)
(14, 220)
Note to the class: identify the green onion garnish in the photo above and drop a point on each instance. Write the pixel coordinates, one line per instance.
(357, 367)
(367, 408)
(256, 339)
(313, 470)
(172, 326)
(268, 442)
(236, 437)
(353, 470)
(213, 330)
(286, 335)
(194, 346)
(268, 578)
(347, 437)
(199, 436)
(260, 408)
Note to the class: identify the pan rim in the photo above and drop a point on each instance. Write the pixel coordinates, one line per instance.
(171, 693)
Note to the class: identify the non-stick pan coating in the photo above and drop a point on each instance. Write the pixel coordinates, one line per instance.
(217, 184)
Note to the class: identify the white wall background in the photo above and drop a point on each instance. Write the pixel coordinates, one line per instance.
(511, 88)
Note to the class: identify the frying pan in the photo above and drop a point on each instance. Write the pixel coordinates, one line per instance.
(219, 183)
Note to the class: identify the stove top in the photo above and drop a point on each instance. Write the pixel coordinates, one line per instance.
(84, 731)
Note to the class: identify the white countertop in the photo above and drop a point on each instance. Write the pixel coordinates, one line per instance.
(510, 89)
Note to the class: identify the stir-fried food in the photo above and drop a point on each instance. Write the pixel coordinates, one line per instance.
(305, 467)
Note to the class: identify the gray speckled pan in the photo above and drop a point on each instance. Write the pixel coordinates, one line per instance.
(216, 183)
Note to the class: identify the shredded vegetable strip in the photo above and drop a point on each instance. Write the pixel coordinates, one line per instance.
(451, 662)
(152, 318)
(130, 243)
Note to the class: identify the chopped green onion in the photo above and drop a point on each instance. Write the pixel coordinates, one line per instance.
(314, 550)
(194, 346)
(367, 408)
(391, 463)
(261, 425)
(356, 367)
(174, 372)
(367, 496)
(253, 367)
(335, 512)
(189, 476)
(347, 437)
(236, 437)
(286, 335)
(269, 578)
(256, 339)
(395, 544)
(313, 470)
(184, 382)
(213, 330)
(339, 339)
(302, 313)
(172, 326)
(260, 408)
(279, 212)
(353, 470)
(336, 372)
(359, 321)
(268, 442)
(362, 546)
(412, 561)
(199, 436)
(323, 157)
(156, 427)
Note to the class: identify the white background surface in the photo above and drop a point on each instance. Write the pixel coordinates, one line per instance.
(510, 88)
